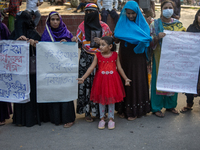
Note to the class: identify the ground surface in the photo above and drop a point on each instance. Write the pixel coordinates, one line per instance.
(174, 132)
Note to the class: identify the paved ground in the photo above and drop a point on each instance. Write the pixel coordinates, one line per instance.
(174, 132)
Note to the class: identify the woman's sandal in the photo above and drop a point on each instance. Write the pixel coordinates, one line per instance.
(121, 115)
(131, 118)
(2, 123)
(159, 114)
(89, 119)
(185, 109)
(67, 125)
(173, 110)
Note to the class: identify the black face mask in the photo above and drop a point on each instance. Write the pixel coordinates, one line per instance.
(91, 22)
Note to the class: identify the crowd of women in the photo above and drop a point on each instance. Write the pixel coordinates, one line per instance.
(132, 100)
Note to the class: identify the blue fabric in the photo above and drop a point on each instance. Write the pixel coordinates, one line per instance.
(137, 32)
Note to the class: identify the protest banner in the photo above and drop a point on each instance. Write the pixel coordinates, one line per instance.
(179, 62)
(57, 71)
(14, 71)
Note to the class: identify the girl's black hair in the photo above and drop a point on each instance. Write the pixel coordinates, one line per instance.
(109, 40)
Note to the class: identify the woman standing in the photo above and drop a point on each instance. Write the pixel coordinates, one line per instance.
(60, 112)
(26, 114)
(5, 107)
(161, 99)
(90, 24)
(195, 27)
(134, 34)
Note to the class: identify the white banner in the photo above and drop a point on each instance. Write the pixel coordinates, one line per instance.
(14, 71)
(179, 62)
(57, 71)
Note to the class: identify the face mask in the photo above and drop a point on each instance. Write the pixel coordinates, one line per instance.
(167, 13)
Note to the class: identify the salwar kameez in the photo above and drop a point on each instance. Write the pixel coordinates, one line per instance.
(160, 101)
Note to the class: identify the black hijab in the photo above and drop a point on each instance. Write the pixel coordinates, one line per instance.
(91, 22)
(194, 27)
(24, 25)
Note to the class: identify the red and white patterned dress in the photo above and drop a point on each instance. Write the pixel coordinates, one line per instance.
(107, 86)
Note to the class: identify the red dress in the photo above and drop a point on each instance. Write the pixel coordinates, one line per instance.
(107, 86)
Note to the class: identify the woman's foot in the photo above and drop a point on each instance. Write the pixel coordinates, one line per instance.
(131, 118)
(122, 115)
(89, 119)
(2, 123)
(68, 125)
(101, 124)
(159, 114)
(173, 110)
(75, 11)
(111, 124)
(185, 109)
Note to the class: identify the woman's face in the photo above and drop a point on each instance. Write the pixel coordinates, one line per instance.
(131, 15)
(167, 6)
(89, 11)
(54, 21)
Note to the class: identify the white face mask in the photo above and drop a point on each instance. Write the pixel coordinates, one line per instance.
(167, 13)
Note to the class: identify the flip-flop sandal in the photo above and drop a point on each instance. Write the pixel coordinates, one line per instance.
(121, 115)
(173, 110)
(67, 125)
(89, 119)
(131, 118)
(185, 109)
(159, 114)
(2, 123)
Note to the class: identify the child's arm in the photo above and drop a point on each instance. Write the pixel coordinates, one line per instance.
(121, 71)
(89, 71)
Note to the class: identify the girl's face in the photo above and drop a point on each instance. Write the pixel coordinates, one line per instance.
(89, 11)
(54, 21)
(131, 15)
(104, 47)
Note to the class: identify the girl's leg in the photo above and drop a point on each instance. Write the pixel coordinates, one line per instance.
(111, 109)
(102, 115)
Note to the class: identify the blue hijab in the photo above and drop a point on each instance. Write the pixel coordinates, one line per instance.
(137, 32)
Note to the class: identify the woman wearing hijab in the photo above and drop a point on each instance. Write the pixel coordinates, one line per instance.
(60, 112)
(90, 24)
(160, 99)
(195, 27)
(134, 35)
(5, 107)
(26, 114)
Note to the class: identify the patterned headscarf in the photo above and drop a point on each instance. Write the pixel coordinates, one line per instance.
(51, 34)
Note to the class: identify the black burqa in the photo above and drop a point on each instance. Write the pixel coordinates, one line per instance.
(26, 114)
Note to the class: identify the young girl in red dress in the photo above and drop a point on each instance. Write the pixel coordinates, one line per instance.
(107, 86)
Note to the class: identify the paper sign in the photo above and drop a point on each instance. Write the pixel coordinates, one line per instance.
(179, 62)
(14, 71)
(57, 71)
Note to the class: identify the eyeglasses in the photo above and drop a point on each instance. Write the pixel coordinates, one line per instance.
(53, 19)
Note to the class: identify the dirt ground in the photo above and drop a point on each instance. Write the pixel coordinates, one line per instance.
(187, 14)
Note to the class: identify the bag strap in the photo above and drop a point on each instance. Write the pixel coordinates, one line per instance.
(49, 33)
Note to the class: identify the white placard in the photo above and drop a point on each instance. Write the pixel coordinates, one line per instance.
(14, 71)
(179, 62)
(57, 71)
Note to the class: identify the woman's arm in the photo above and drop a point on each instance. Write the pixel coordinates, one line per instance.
(89, 71)
(121, 71)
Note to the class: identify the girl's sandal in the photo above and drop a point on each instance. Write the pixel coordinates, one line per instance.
(68, 125)
(131, 118)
